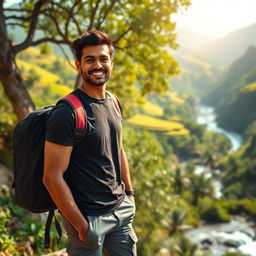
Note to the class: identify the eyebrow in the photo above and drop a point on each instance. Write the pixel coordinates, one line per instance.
(91, 57)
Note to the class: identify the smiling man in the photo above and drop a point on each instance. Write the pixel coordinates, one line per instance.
(96, 197)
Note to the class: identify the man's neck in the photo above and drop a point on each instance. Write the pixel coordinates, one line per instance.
(96, 92)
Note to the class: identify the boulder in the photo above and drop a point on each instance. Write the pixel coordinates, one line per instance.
(6, 176)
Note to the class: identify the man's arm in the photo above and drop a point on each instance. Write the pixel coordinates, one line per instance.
(125, 172)
(56, 160)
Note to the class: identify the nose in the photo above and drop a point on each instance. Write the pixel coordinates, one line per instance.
(97, 64)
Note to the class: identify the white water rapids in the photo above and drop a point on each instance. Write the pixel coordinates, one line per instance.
(237, 235)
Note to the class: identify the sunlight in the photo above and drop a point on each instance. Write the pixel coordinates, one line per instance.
(217, 18)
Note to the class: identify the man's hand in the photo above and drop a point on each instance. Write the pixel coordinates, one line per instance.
(132, 197)
(83, 230)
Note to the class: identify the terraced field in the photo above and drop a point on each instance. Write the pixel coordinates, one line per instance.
(158, 125)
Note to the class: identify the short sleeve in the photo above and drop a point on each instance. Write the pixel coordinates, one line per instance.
(60, 126)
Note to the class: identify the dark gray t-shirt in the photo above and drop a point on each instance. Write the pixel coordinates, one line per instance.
(94, 172)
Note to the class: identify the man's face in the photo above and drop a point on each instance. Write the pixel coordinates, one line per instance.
(96, 64)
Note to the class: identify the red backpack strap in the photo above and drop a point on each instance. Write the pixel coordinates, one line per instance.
(116, 101)
(80, 113)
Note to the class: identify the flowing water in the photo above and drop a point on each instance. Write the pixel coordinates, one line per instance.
(236, 236)
(206, 115)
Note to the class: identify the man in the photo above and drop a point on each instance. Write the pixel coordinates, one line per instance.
(96, 197)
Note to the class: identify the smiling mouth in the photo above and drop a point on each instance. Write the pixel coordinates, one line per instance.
(98, 72)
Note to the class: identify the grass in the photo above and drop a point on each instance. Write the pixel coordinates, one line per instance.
(34, 56)
(158, 125)
(46, 77)
(249, 88)
(174, 97)
(152, 109)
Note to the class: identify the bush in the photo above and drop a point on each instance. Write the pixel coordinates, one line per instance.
(20, 234)
(246, 206)
(233, 254)
(213, 211)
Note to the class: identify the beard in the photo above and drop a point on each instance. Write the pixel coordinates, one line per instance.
(101, 82)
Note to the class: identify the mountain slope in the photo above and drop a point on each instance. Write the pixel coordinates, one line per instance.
(227, 49)
(235, 94)
(196, 74)
(235, 77)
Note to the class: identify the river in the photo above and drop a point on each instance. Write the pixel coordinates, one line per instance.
(236, 236)
(206, 115)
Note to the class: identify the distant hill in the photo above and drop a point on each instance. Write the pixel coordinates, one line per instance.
(227, 49)
(235, 94)
(191, 39)
(196, 75)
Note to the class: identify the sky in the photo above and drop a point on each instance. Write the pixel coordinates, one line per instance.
(217, 18)
(212, 18)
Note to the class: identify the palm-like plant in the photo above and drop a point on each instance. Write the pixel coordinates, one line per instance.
(177, 222)
(183, 247)
(180, 180)
(200, 186)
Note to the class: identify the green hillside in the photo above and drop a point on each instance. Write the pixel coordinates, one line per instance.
(235, 78)
(234, 96)
(45, 87)
(196, 74)
(240, 175)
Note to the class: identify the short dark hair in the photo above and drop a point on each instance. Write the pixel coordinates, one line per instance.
(91, 38)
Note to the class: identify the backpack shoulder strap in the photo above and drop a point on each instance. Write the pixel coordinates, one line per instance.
(80, 114)
(116, 101)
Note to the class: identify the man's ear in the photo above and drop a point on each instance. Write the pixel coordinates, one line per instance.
(112, 61)
(78, 66)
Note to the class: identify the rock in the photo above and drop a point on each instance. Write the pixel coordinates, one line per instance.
(207, 241)
(58, 253)
(231, 243)
(6, 176)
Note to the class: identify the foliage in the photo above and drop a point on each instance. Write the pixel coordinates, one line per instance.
(177, 222)
(234, 254)
(183, 247)
(7, 242)
(180, 180)
(20, 233)
(234, 94)
(141, 32)
(7, 121)
(53, 64)
(242, 206)
(200, 186)
(151, 180)
(239, 174)
(212, 211)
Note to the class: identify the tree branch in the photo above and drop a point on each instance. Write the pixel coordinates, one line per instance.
(70, 17)
(17, 10)
(102, 19)
(16, 24)
(48, 39)
(32, 28)
(66, 56)
(93, 13)
(115, 42)
(56, 24)
(18, 18)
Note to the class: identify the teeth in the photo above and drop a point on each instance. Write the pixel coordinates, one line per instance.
(98, 73)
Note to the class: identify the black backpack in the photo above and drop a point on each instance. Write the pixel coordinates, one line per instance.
(28, 145)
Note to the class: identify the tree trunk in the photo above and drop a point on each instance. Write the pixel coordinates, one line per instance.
(10, 76)
(78, 80)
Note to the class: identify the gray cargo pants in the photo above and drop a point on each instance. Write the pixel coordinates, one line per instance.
(111, 233)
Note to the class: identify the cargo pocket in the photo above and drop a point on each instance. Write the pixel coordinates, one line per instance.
(134, 240)
(70, 230)
(91, 239)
